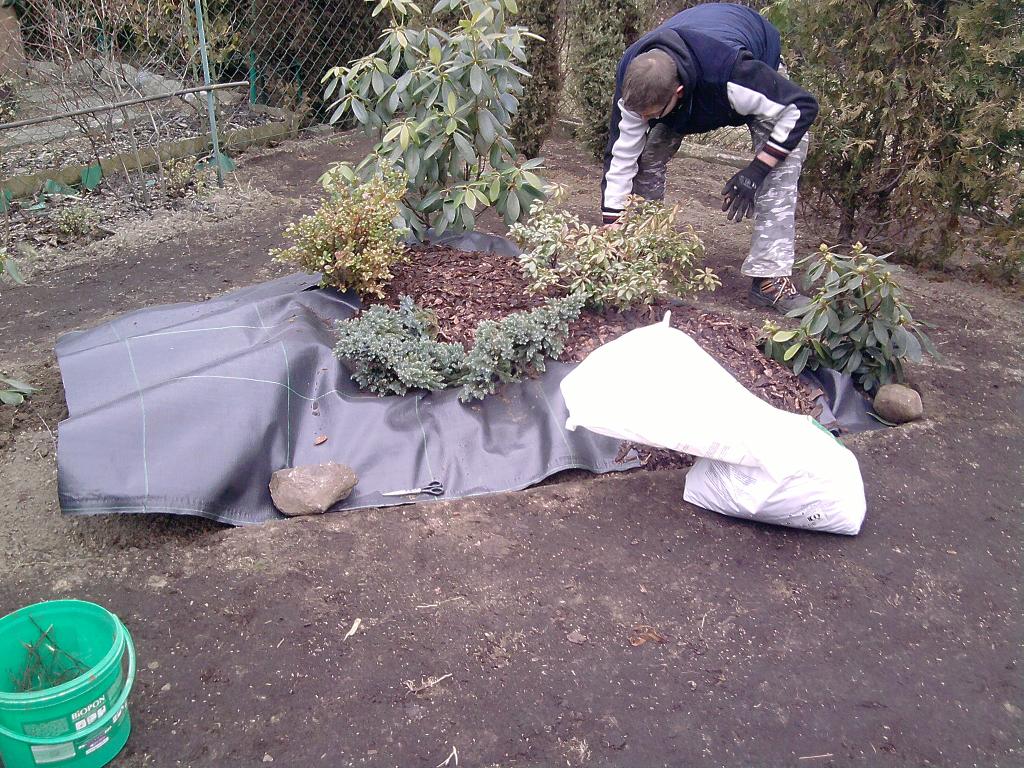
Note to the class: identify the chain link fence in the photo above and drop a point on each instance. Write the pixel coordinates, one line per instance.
(288, 45)
(70, 66)
(81, 57)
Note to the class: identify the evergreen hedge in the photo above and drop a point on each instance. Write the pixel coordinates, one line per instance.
(532, 123)
(599, 33)
(920, 140)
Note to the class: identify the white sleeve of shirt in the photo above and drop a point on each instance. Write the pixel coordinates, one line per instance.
(747, 101)
(625, 154)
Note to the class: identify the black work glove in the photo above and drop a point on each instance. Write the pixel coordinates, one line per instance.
(739, 191)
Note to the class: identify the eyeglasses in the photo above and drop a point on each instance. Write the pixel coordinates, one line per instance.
(663, 111)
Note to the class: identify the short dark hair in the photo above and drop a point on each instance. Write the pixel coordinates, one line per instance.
(651, 79)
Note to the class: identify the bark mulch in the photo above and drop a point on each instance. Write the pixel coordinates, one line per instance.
(463, 288)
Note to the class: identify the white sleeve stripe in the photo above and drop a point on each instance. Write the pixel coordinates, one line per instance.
(625, 154)
(747, 101)
(784, 125)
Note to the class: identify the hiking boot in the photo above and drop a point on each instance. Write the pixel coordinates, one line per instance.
(779, 293)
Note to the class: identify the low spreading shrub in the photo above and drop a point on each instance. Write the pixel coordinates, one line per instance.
(515, 347)
(391, 351)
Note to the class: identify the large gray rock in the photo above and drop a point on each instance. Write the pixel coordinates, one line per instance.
(312, 489)
(898, 404)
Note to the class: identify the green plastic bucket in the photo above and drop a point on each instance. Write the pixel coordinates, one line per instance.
(82, 722)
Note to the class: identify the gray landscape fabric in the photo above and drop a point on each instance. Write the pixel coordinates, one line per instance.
(188, 409)
(844, 408)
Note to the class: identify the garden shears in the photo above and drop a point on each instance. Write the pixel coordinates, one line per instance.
(433, 488)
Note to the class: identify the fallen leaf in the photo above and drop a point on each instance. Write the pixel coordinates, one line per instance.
(576, 637)
(320, 440)
(643, 633)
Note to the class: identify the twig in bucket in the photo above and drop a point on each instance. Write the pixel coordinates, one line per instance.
(34, 665)
(39, 673)
(55, 649)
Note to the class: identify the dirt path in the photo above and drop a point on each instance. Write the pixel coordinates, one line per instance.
(898, 647)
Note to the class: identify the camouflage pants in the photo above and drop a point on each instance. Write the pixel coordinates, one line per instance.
(772, 247)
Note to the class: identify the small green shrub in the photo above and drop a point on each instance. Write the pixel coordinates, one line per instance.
(634, 263)
(391, 351)
(351, 239)
(856, 322)
(77, 220)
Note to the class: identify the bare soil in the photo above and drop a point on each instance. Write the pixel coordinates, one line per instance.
(898, 647)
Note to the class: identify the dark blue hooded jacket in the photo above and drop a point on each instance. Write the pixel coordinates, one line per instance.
(727, 58)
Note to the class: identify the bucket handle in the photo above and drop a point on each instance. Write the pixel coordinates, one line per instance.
(104, 721)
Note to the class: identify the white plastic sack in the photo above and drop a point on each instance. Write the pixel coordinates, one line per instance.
(657, 387)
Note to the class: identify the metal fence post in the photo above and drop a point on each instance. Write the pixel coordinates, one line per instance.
(210, 102)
